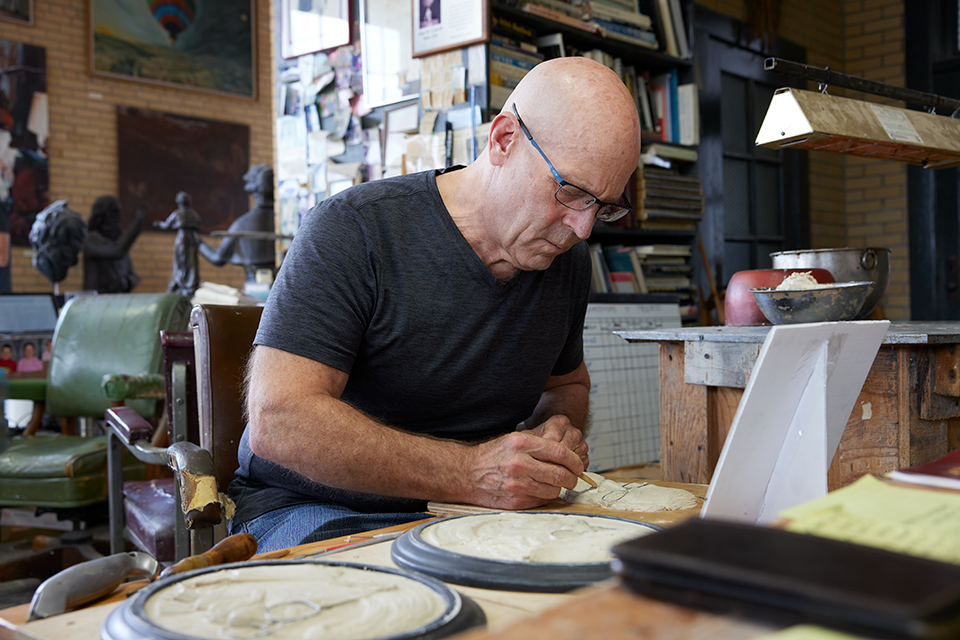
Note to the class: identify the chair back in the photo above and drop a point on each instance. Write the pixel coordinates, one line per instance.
(97, 335)
(223, 338)
(181, 395)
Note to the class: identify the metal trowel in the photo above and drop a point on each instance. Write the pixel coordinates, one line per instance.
(88, 581)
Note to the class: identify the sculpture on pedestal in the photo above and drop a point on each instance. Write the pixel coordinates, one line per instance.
(57, 236)
(185, 278)
(240, 246)
(106, 262)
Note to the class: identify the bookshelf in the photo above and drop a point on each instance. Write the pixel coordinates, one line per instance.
(584, 40)
(522, 27)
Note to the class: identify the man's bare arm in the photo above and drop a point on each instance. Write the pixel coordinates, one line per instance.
(298, 420)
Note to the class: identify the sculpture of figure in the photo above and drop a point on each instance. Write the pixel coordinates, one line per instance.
(252, 254)
(106, 264)
(186, 268)
(57, 236)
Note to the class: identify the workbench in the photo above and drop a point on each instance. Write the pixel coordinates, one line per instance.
(906, 414)
(604, 609)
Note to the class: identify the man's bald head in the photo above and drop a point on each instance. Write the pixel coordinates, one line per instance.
(584, 102)
(585, 121)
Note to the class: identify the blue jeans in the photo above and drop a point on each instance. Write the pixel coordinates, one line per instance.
(304, 523)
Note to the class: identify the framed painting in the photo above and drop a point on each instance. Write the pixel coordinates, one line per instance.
(17, 11)
(308, 26)
(207, 46)
(24, 129)
(442, 25)
(160, 154)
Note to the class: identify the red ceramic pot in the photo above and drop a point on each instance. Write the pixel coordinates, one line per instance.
(739, 306)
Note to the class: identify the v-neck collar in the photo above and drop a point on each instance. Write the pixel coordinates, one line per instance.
(476, 262)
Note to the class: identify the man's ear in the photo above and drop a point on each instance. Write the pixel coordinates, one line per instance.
(504, 133)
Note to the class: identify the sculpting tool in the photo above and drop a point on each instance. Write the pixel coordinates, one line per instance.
(350, 546)
(587, 479)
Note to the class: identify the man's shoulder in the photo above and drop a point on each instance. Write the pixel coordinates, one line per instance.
(373, 204)
(374, 191)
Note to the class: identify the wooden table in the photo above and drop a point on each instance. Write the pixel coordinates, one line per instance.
(906, 414)
(605, 606)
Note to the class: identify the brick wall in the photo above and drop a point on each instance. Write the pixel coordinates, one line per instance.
(83, 136)
(854, 202)
(876, 190)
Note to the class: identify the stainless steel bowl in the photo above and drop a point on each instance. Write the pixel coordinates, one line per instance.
(830, 303)
(847, 265)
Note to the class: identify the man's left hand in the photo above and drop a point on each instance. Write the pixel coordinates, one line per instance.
(559, 429)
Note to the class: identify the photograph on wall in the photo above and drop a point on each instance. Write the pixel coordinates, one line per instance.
(24, 167)
(186, 43)
(17, 11)
(162, 154)
(442, 25)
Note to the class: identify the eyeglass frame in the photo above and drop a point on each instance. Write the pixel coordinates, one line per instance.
(623, 206)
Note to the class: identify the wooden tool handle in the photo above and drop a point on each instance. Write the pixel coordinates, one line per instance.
(235, 548)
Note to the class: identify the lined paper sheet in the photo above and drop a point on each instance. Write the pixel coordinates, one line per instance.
(871, 512)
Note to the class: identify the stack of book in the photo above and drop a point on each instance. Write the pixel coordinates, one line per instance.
(653, 24)
(670, 24)
(668, 199)
(644, 269)
(667, 268)
(563, 11)
(621, 20)
(510, 60)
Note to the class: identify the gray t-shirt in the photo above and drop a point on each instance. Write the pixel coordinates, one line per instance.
(380, 283)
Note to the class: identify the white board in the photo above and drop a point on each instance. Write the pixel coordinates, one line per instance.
(624, 382)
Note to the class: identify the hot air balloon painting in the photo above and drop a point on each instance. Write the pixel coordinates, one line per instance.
(173, 15)
(192, 44)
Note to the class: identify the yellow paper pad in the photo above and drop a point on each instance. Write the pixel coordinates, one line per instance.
(808, 632)
(871, 512)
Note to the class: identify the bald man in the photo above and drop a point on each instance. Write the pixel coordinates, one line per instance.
(423, 340)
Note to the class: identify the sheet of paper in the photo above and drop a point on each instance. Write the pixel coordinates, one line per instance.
(871, 512)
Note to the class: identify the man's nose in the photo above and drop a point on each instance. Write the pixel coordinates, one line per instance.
(581, 222)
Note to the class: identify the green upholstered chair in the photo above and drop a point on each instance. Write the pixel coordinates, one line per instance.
(95, 335)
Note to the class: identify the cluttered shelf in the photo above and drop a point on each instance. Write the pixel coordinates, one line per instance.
(650, 59)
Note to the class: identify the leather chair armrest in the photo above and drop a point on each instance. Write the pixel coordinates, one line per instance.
(128, 424)
(33, 388)
(199, 498)
(118, 387)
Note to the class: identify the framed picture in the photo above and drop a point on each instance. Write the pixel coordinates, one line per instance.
(308, 26)
(390, 74)
(24, 163)
(17, 11)
(441, 25)
(208, 46)
(160, 154)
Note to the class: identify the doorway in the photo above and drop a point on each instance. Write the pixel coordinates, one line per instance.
(933, 65)
(755, 198)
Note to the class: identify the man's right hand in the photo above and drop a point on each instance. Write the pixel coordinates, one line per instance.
(522, 470)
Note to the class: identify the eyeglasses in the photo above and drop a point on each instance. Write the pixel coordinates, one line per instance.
(572, 196)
